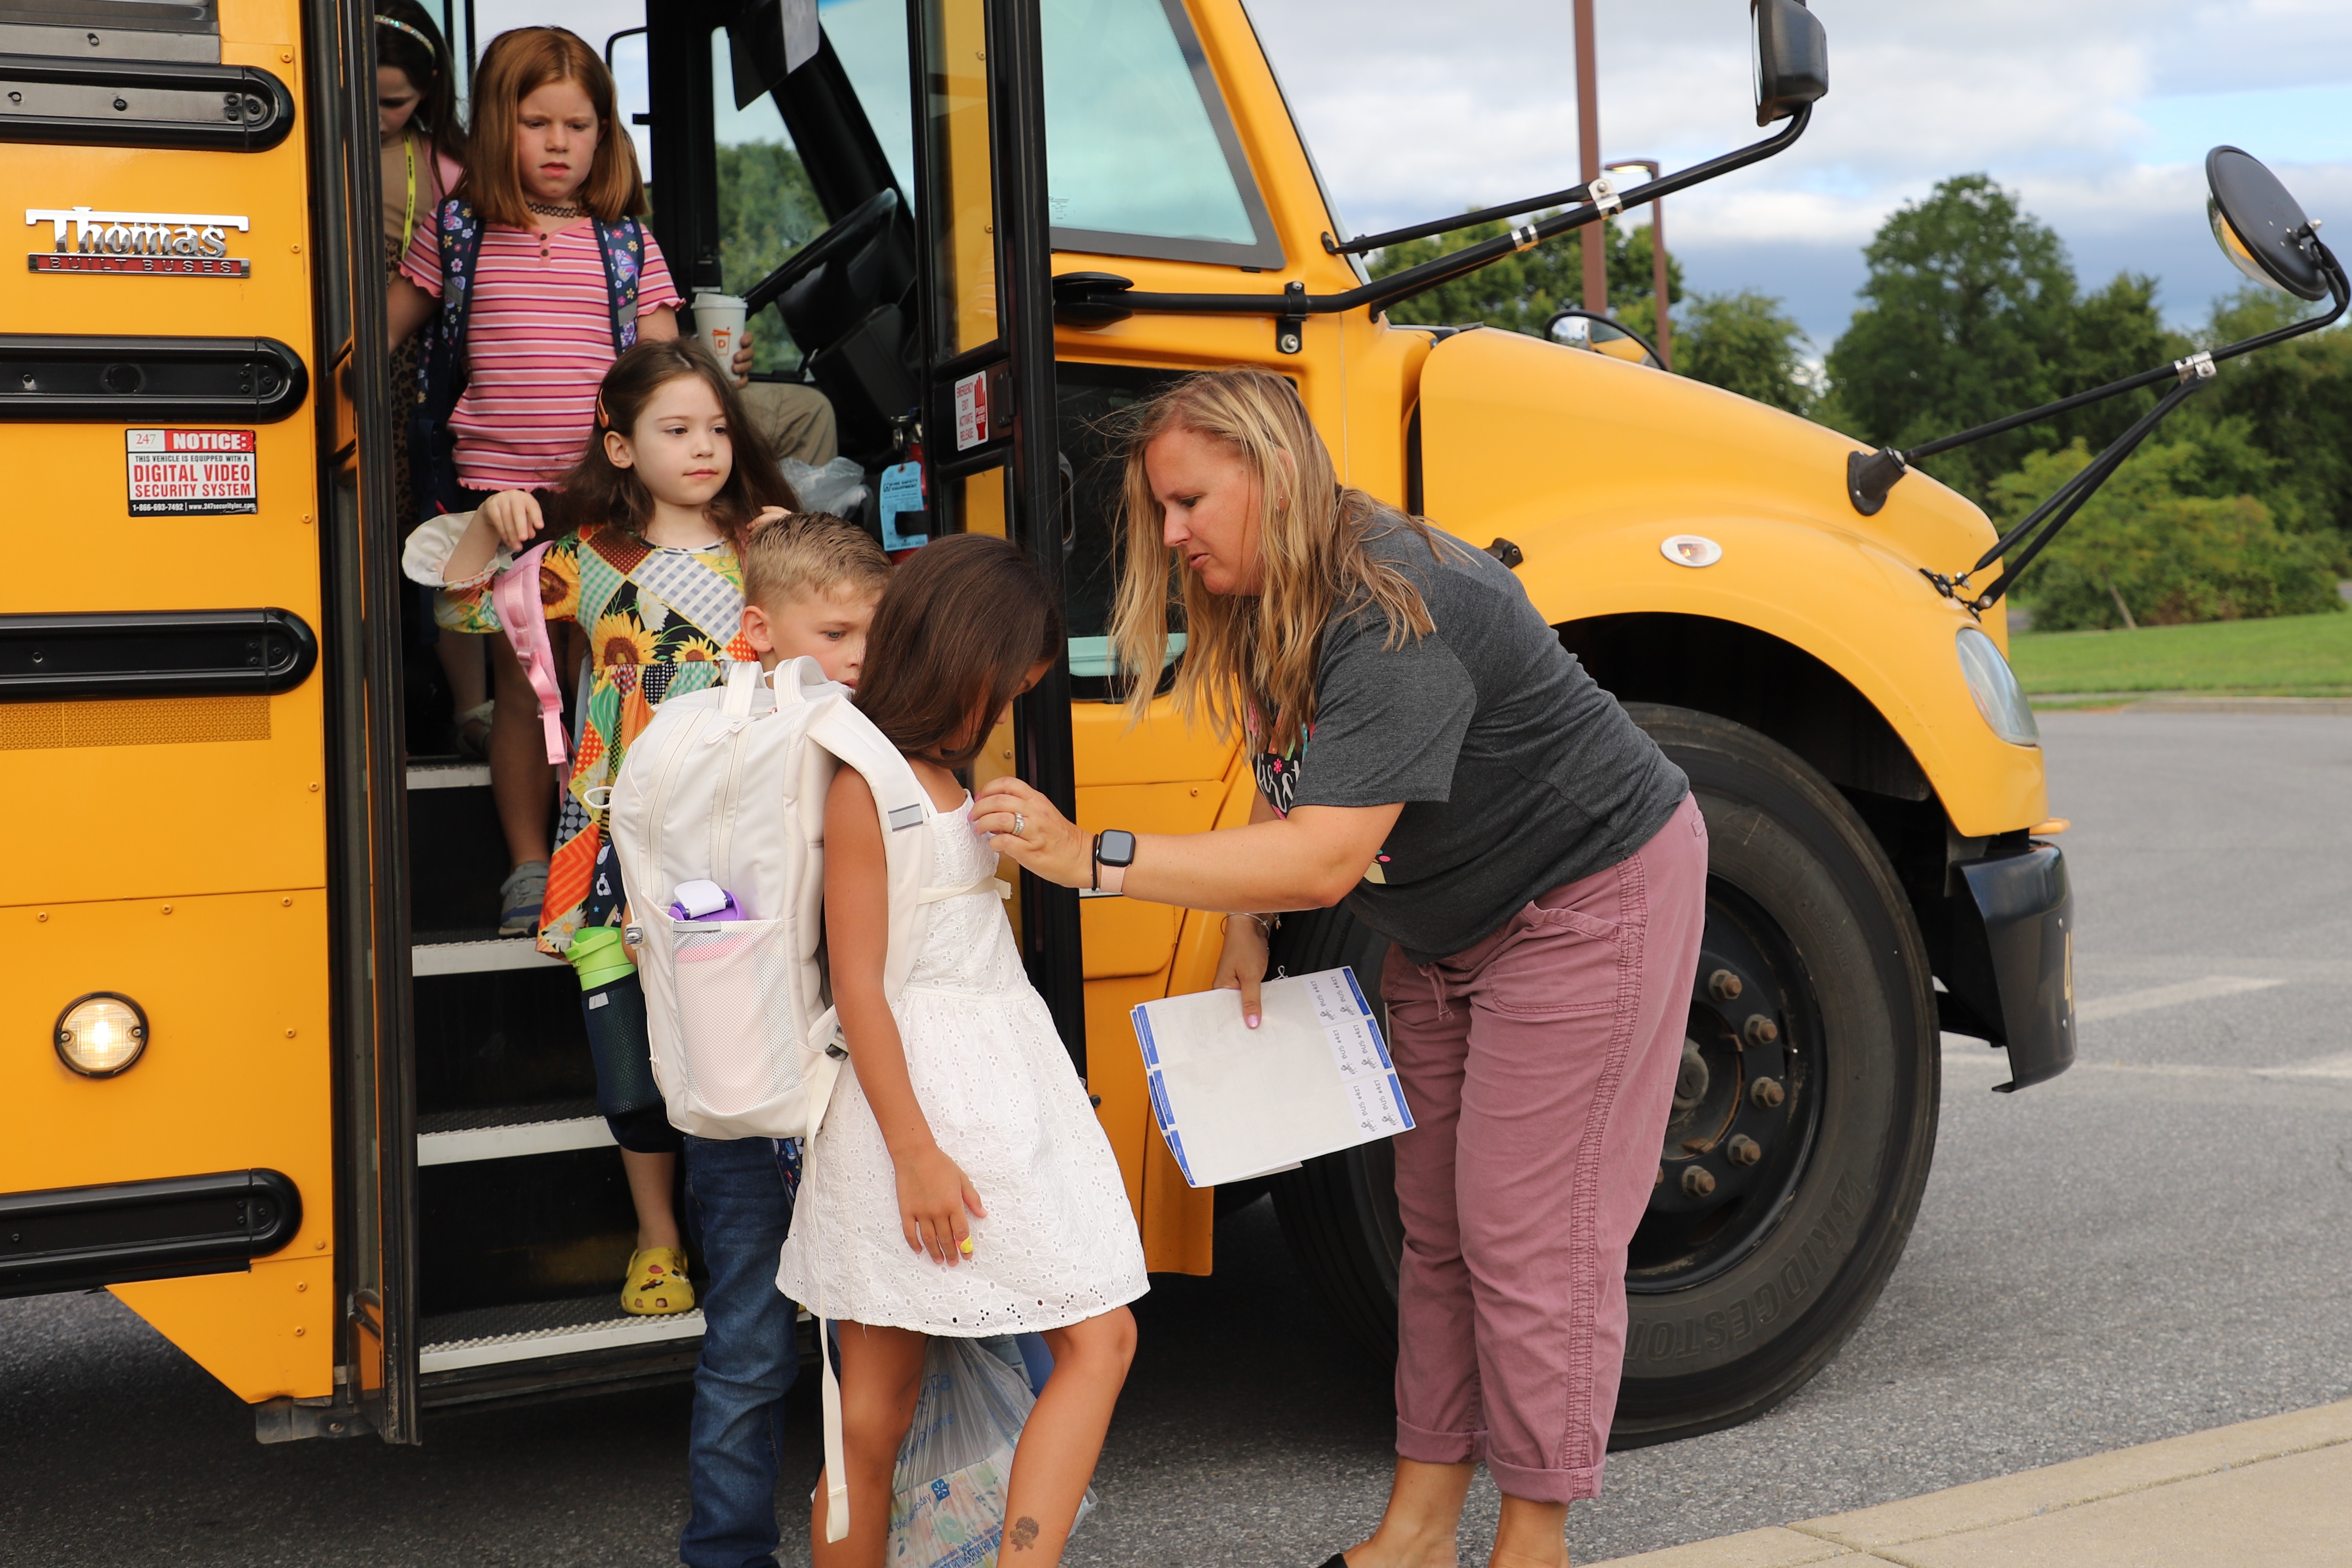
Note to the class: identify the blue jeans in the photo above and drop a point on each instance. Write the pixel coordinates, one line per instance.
(739, 1203)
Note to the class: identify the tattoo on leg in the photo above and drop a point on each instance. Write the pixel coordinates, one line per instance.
(1025, 1533)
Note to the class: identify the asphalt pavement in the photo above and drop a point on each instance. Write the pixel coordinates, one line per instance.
(2152, 1246)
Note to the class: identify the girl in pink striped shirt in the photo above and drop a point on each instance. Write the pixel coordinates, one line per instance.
(530, 265)
(548, 207)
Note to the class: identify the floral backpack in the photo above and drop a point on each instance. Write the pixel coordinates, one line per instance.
(441, 360)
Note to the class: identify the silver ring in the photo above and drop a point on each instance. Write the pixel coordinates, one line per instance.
(1019, 825)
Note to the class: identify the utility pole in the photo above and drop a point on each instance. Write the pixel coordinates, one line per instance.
(1665, 326)
(1593, 241)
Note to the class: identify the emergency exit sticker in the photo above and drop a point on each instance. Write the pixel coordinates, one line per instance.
(971, 410)
(191, 473)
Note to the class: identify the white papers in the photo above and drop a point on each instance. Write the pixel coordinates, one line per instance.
(1234, 1102)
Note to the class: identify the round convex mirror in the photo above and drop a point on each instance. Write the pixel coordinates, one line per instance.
(2260, 227)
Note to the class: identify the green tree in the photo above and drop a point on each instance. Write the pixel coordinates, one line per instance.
(1744, 341)
(1519, 292)
(767, 210)
(1971, 311)
(2157, 546)
(1746, 344)
(2291, 405)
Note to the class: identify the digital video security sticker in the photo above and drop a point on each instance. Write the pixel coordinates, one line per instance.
(191, 473)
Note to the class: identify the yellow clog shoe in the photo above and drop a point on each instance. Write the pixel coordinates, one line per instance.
(657, 1285)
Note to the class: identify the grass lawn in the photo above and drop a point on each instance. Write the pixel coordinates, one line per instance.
(2292, 656)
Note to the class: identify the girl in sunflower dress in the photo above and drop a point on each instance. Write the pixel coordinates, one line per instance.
(648, 530)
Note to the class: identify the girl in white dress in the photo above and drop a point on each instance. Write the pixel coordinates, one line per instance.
(961, 1184)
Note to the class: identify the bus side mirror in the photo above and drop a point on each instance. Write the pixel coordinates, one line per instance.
(1792, 57)
(2260, 227)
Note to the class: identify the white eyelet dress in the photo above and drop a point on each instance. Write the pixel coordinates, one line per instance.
(1059, 1244)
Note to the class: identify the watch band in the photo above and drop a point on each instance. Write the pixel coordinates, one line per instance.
(1110, 871)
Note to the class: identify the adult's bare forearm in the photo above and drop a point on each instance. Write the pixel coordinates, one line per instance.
(1273, 863)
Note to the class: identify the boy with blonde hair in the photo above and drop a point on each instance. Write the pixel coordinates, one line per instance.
(811, 581)
(810, 585)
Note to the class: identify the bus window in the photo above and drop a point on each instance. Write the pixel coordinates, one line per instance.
(1090, 401)
(870, 37)
(1127, 91)
(814, 226)
(767, 208)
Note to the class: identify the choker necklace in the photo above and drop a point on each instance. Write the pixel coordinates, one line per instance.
(545, 210)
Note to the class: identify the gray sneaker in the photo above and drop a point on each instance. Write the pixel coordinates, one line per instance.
(520, 897)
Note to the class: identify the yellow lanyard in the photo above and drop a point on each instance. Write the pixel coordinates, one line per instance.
(408, 217)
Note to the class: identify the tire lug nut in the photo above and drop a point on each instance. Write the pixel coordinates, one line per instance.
(1760, 1030)
(1723, 986)
(1767, 1093)
(1744, 1150)
(1697, 1182)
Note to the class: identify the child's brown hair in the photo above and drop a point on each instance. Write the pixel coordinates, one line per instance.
(410, 42)
(594, 491)
(517, 64)
(959, 631)
(811, 554)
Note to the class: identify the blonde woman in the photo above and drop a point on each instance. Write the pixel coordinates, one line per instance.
(1428, 754)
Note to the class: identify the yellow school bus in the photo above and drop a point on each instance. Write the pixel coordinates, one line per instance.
(269, 1076)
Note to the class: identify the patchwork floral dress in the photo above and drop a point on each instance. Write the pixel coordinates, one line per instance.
(659, 620)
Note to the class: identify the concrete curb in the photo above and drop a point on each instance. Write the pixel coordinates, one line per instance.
(2185, 702)
(2276, 1491)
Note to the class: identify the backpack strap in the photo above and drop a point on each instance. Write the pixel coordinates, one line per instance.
(441, 360)
(904, 808)
(441, 369)
(622, 245)
(520, 617)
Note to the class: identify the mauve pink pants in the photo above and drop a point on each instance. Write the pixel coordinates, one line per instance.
(1540, 1064)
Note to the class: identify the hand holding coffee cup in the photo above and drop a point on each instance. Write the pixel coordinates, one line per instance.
(718, 322)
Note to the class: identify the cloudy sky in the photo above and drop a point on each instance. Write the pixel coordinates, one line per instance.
(2098, 112)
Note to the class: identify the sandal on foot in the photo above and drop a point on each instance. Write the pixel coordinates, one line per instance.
(520, 897)
(657, 1285)
(473, 731)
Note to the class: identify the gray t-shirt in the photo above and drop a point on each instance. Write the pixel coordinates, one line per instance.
(1517, 773)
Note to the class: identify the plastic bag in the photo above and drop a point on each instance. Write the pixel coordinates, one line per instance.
(838, 487)
(947, 1503)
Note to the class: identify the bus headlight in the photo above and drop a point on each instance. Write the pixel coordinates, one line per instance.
(101, 1033)
(1994, 685)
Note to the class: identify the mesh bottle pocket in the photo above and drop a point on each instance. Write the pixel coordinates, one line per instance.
(735, 1009)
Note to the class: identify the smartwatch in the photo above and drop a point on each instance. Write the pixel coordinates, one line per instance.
(1114, 852)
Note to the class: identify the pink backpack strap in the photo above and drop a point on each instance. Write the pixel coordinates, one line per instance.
(521, 616)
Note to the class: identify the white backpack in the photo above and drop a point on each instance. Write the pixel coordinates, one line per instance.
(728, 785)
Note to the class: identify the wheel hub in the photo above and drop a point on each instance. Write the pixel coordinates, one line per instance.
(1744, 1110)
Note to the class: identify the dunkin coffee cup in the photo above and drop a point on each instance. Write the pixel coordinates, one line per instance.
(718, 322)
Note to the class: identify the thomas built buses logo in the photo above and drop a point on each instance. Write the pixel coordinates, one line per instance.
(191, 245)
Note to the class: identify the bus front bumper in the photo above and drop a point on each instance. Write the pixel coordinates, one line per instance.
(2011, 924)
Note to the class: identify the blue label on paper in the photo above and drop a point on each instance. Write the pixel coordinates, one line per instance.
(1143, 1034)
(902, 493)
(1160, 1103)
(1176, 1147)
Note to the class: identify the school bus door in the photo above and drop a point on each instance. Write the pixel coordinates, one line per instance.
(498, 1198)
(989, 408)
(969, 378)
